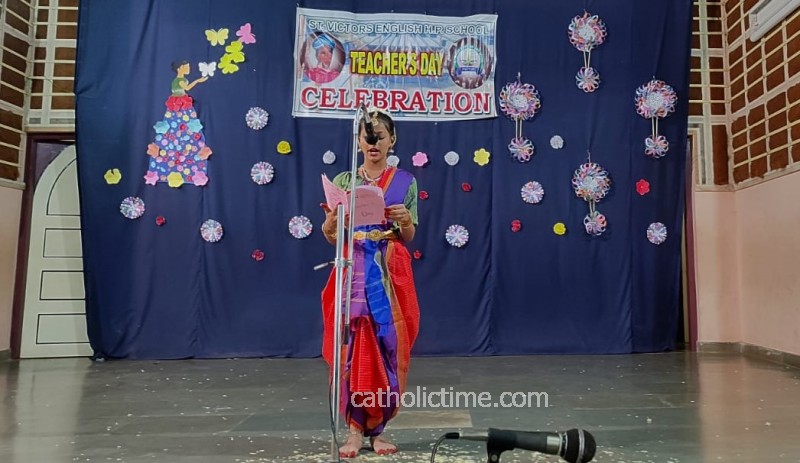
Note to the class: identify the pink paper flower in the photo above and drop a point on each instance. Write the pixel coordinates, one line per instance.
(419, 159)
(423, 195)
(199, 179)
(417, 254)
(160, 220)
(516, 226)
(258, 255)
(466, 187)
(151, 178)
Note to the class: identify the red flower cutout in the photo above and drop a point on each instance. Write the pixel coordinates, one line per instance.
(466, 187)
(516, 226)
(423, 195)
(160, 220)
(643, 187)
(258, 255)
(417, 254)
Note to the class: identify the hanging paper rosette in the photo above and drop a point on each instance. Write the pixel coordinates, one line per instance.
(211, 231)
(532, 192)
(457, 235)
(657, 233)
(586, 33)
(655, 100)
(132, 207)
(300, 227)
(520, 102)
(592, 183)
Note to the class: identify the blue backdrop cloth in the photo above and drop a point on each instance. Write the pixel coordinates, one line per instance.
(163, 292)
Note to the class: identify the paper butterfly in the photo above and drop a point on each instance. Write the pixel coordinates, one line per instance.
(245, 35)
(218, 37)
(234, 50)
(207, 69)
(226, 65)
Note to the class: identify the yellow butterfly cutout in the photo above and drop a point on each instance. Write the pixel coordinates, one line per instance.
(234, 50)
(226, 65)
(218, 37)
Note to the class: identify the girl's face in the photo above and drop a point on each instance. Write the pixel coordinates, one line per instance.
(324, 56)
(377, 152)
(185, 69)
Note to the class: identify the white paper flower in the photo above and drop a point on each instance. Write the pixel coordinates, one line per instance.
(393, 161)
(557, 142)
(451, 158)
(329, 157)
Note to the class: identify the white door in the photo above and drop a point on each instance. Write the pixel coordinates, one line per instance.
(54, 317)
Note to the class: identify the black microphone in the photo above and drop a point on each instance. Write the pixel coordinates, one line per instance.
(574, 446)
(369, 131)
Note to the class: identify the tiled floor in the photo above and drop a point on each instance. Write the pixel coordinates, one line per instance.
(675, 407)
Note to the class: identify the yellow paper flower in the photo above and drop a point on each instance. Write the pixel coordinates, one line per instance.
(482, 157)
(284, 147)
(175, 180)
(559, 228)
(112, 176)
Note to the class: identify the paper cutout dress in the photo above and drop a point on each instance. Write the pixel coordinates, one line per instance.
(179, 153)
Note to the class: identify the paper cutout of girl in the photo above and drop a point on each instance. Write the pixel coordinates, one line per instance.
(324, 50)
(179, 152)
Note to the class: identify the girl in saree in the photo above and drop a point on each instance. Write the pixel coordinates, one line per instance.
(384, 313)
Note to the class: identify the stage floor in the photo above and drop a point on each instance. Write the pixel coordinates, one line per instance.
(673, 407)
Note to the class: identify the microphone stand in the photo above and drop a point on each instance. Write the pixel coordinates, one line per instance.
(342, 263)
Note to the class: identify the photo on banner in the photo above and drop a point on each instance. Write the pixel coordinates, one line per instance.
(414, 66)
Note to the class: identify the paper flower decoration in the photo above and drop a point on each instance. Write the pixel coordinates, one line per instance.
(392, 161)
(199, 178)
(457, 235)
(419, 159)
(257, 255)
(482, 157)
(532, 192)
(595, 223)
(175, 180)
(655, 100)
(521, 149)
(591, 182)
(586, 33)
(557, 142)
(160, 220)
(559, 228)
(656, 147)
(451, 158)
(300, 227)
(643, 187)
(150, 178)
(257, 118)
(657, 233)
(519, 101)
(423, 195)
(205, 153)
(417, 254)
(262, 173)
(132, 207)
(516, 226)
(284, 147)
(329, 157)
(211, 231)
(587, 79)
(112, 176)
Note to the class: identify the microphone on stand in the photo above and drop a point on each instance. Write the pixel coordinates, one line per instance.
(574, 446)
(369, 130)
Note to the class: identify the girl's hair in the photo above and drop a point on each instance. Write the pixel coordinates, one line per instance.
(177, 65)
(382, 117)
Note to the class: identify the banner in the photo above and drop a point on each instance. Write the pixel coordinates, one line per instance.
(414, 66)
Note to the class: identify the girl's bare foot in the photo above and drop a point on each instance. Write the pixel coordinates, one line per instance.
(352, 446)
(382, 446)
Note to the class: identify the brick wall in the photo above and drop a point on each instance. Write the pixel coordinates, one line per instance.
(764, 81)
